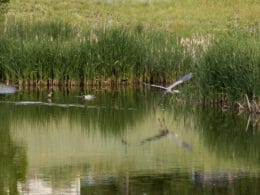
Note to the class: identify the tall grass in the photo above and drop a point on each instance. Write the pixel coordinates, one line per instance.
(231, 66)
(106, 42)
(184, 17)
(56, 53)
(225, 65)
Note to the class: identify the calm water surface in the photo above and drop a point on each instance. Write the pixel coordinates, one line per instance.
(123, 142)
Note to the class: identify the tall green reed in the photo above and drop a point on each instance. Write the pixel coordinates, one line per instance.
(59, 54)
(231, 67)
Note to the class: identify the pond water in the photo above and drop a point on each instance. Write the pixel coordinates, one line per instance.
(125, 141)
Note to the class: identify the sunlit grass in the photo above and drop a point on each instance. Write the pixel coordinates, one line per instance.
(231, 66)
(55, 53)
(181, 17)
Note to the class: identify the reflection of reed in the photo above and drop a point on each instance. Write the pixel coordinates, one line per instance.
(228, 134)
(251, 107)
(74, 137)
(254, 120)
(111, 112)
(216, 179)
(13, 156)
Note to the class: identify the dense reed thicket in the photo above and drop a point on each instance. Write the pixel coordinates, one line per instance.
(57, 53)
(183, 17)
(231, 66)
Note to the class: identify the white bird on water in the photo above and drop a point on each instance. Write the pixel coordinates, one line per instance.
(5, 89)
(88, 97)
(169, 88)
(49, 95)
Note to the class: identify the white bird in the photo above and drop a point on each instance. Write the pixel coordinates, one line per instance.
(49, 95)
(88, 97)
(169, 88)
(5, 89)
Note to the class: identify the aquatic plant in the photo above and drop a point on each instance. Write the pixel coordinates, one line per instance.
(225, 65)
(231, 67)
(110, 55)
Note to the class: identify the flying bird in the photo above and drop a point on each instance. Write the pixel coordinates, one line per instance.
(169, 88)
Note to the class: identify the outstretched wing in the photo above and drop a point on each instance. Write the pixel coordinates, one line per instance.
(183, 79)
(157, 86)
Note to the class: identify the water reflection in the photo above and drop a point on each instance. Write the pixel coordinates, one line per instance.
(118, 144)
(229, 135)
(13, 162)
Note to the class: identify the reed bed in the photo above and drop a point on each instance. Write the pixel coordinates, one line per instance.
(58, 54)
(226, 65)
(105, 42)
(231, 67)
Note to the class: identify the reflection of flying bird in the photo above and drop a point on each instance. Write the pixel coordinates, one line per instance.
(169, 88)
(5, 89)
(160, 135)
(166, 133)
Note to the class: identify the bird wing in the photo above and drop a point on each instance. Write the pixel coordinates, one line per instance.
(183, 79)
(157, 86)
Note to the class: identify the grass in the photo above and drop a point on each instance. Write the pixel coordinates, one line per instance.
(58, 54)
(231, 66)
(184, 17)
(109, 42)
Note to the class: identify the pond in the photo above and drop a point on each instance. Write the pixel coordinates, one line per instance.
(125, 141)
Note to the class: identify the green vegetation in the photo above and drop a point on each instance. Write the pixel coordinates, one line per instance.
(3, 8)
(13, 161)
(55, 52)
(220, 141)
(231, 66)
(184, 17)
(109, 42)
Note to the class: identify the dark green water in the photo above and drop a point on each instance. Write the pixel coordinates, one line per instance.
(118, 144)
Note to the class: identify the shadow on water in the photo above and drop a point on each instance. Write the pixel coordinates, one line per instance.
(13, 160)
